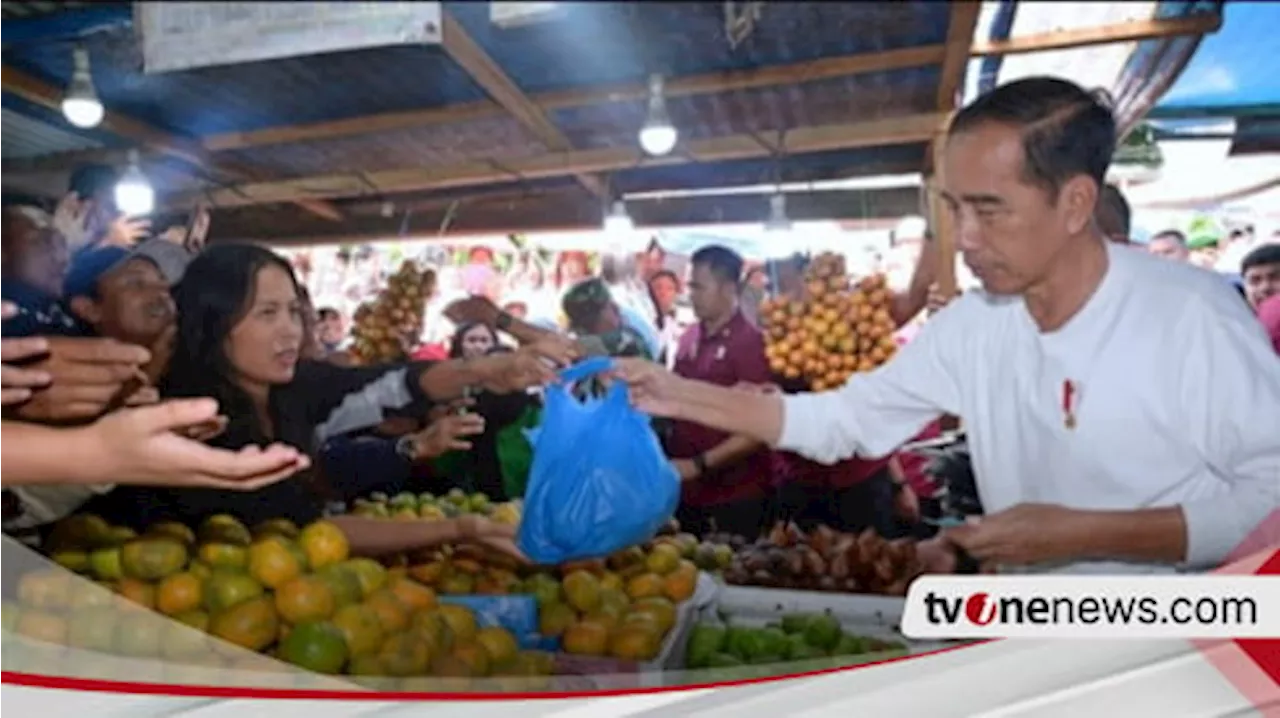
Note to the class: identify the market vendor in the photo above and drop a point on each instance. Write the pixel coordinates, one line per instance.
(239, 337)
(1093, 451)
(728, 480)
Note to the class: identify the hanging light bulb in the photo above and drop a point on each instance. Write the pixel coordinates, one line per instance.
(80, 104)
(618, 221)
(134, 195)
(778, 220)
(658, 136)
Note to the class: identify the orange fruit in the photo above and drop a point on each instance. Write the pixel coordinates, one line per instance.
(361, 629)
(644, 585)
(317, 646)
(392, 614)
(635, 642)
(324, 544)
(222, 590)
(369, 664)
(582, 590)
(179, 593)
(428, 574)
(404, 655)
(370, 574)
(432, 628)
(662, 610)
(474, 656)
(663, 559)
(224, 556)
(499, 644)
(252, 624)
(42, 626)
(272, 564)
(139, 592)
(413, 595)
(303, 599)
(151, 559)
(587, 637)
(460, 619)
(45, 589)
(555, 618)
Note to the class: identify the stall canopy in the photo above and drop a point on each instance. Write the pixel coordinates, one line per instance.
(494, 124)
(1231, 87)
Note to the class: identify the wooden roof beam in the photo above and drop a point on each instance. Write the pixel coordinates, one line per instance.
(801, 140)
(1132, 31)
(718, 82)
(42, 93)
(964, 20)
(462, 49)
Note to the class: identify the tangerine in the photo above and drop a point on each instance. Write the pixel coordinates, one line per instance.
(225, 556)
(361, 629)
(251, 624)
(371, 574)
(272, 564)
(460, 619)
(413, 595)
(139, 592)
(582, 590)
(223, 590)
(472, 655)
(179, 593)
(404, 655)
(151, 559)
(317, 646)
(644, 585)
(392, 614)
(635, 642)
(555, 618)
(587, 637)
(324, 543)
(499, 644)
(304, 599)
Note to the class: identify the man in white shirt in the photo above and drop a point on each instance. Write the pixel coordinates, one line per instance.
(1123, 411)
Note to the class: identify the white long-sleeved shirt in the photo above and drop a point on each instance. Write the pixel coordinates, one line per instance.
(1177, 403)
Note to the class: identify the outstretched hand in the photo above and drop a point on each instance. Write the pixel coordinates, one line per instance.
(147, 446)
(653, 389)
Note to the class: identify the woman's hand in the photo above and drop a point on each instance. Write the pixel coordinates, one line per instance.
(16, 384)
(145, 447)
(524, 368)
(446, 434)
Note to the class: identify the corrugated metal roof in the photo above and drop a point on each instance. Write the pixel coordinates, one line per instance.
(10, 10)
(22, 136)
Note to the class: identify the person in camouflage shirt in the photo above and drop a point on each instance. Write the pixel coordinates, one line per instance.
(593, 315)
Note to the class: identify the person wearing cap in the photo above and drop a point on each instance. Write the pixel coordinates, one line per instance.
(123, 294)
(1260, 274)
(592, 312)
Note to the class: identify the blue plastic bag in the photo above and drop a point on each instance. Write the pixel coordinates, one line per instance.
(600, 480)
(517, 613)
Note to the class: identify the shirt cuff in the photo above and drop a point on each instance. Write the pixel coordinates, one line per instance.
(1215, 529)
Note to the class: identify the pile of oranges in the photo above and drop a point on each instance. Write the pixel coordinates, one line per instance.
(836, 329)
(386, 328)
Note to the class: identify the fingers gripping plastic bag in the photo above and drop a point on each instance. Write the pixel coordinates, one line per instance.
(600, 481)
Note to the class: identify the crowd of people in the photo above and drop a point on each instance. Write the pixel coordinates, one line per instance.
(1120, 406)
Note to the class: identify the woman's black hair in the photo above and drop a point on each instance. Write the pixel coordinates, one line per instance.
(653, 296)
(455, 344)
(215, 293)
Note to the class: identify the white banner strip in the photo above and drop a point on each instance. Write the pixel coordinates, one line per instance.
(1208, 606)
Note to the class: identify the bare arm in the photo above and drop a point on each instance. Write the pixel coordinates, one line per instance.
(908, 304)
(379, 537)
(1140, 535)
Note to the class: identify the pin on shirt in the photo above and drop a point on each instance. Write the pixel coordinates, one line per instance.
(720, 353)
(1070, 400)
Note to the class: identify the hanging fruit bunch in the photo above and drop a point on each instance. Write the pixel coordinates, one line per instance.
(386, 329)
(836, 329)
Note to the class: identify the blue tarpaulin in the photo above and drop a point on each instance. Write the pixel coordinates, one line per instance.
(1235, 71)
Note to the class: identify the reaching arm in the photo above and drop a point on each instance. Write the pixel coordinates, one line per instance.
(908, 304)
(378, 537)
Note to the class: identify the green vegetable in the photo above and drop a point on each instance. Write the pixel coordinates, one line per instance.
(705, 641)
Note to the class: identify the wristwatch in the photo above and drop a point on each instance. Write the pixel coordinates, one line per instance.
(405, 447)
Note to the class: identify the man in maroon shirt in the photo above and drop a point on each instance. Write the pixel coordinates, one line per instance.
(728, 480)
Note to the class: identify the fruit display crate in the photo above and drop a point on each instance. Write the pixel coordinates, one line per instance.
(866, 615)
(611, 673)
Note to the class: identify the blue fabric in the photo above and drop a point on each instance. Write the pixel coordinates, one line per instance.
(39, 313)
(638, 323)
(87, 267)
(358, 466)
(600, 481)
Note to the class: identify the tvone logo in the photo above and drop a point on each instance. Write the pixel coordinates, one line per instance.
(980, 609)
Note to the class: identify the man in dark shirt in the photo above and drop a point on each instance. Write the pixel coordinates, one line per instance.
(728, 480)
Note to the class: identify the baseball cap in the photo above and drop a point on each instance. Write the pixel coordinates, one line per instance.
(89, 265)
